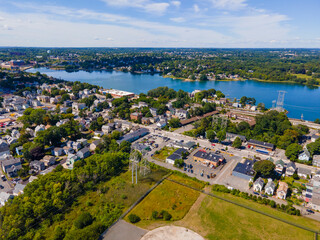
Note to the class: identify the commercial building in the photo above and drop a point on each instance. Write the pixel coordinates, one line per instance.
(118, 93)
(260, 145)
(244, 170)
(176, 155)
(208, 158)
(133, 136)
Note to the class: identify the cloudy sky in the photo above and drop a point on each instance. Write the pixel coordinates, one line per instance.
(160, 23)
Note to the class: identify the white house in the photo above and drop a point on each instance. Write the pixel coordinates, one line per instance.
(304, 155)
(270, 187)
(4, 197)
(290, 169)
(258, 185)
(57, 151)
(39, 128)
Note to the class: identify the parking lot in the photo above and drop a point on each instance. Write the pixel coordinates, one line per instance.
(5, 184)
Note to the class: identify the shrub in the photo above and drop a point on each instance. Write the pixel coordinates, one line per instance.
(154, 215)
(165, 215)
(123, 196)
(85, 219)
(134, 218)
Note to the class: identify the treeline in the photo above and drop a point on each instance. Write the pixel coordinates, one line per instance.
(289, 209)
(47, 198)
(272, 127)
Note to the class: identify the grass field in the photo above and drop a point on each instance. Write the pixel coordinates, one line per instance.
(188, 181)
(305, 76)
(218, 220)
(118, 190)
(164, 153)
(169, 196)
(215, 219)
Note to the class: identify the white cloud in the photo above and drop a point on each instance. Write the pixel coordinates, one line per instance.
(6, 27)
(176, 3)
(178, 19)
(158, 8)
(196, 8)
(146, 5)
(231, 5)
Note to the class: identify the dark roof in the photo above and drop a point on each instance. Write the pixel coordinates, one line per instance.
(232, 135)
(180, 151)
(260, 143)
(174, 156)
(84, 150)
(97, 142)
(245, 168)
(191, 120)
(208, 156)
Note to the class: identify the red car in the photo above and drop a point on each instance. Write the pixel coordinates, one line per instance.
(213, 144)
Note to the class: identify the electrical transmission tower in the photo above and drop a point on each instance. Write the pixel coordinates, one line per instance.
(134, 159)
(144, 164)
(274, 104)
(280, 100)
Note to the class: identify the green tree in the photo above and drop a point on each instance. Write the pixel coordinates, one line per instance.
(211, 135)
(85, 219)
(264, 167)
(133, 218)
(179, 163)
(292, 151)
(237, 143)
(221, 135)
(174, 123)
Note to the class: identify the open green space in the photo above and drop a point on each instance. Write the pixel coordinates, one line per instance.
(219, 220)
(112, 197)
(216, 219)
(168, 196)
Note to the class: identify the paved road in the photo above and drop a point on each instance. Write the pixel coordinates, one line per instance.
(224, 177)
(123, 230)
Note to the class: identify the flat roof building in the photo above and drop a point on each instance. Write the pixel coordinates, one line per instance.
(244, 170)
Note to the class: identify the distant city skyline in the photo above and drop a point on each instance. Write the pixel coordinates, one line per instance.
(160, 23)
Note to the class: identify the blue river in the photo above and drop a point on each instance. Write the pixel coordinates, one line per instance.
(299, 100)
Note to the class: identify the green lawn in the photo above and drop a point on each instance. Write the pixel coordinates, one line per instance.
(295, 219)
(215, 219)
(164, 153)
(305, 76)
(187, 181)
(218, 220)
(169, 196)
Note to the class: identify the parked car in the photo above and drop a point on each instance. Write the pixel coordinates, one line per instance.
(310, 211)
(263, 195)
(1, 187)
(256, 193)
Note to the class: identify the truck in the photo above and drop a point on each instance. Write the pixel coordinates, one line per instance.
(262, 151)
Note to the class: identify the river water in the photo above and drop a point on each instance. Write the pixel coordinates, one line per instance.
(298, 100)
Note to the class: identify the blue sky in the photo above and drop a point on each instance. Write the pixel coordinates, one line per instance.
(160, 23)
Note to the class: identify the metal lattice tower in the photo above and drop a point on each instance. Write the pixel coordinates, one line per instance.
(134, 159)
(274, 104)
(144, 164)
(280, 100)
